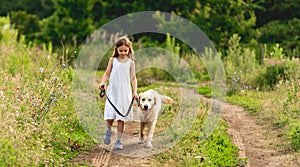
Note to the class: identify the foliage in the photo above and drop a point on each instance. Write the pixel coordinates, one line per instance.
(217, 150)
(40, 8)
(294, 135)
(218, 19)
(241, 66)
(291, 110)
(221, 19)
(273, 75)
(278, 108)
(69, 23)
(27, 24)
(276, 71)
(171, 45)
(206, 91)
(36, 106)
(284, 32)
(267, 11)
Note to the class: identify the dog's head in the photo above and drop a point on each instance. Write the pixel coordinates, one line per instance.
(146, 102)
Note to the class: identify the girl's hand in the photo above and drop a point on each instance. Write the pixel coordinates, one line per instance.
(135, 95)
(101, 87)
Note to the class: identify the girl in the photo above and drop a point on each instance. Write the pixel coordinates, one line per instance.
(121, 74)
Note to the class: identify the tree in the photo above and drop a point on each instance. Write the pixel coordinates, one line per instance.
(27, 24)
(221, 19)
(269, 10)
(70, 23)
(40, 8)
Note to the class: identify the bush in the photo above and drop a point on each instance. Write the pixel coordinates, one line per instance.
(241, 66)
(294, 135)
(274, 73)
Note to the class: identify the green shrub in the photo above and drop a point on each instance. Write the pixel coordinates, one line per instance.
(274, 73)
(285, 32)
(241, 66)
(294, 135)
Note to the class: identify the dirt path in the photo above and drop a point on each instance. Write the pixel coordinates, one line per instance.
(255, 141)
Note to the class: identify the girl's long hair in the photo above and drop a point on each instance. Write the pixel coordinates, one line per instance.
(123, 41)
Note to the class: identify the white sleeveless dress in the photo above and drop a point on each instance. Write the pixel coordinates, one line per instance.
(119, 91)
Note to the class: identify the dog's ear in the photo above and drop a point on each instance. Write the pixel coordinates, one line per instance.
(139, 101)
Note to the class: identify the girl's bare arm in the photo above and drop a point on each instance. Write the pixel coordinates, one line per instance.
(106, 75)
(133, 79)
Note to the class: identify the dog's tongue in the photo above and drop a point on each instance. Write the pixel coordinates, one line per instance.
(146, 111)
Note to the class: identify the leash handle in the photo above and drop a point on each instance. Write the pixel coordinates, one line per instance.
(102, 92)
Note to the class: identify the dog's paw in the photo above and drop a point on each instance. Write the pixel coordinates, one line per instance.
(148, 145)
(141, 141)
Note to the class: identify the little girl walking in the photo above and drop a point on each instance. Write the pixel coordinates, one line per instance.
(121, 88)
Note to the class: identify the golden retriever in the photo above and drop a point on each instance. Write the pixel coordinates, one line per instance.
(150, 104)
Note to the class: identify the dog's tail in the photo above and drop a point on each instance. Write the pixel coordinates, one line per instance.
(167, 99)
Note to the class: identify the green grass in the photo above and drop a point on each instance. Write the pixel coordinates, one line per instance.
(41, 127)
(277, 108)
(36, 108)
(206, 91)
(42, 131)
(252, 102)
(193, 150)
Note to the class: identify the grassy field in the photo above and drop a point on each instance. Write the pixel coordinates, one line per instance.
(39, 126)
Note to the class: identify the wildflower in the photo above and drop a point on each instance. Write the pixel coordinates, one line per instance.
(47, 56)
(62, 93)
(2, 93)
(60, 85)
(52, 73)
(52, 98)
(41, 70)
(63, 117)
(17, 113)
(64, 65)
(56, 78)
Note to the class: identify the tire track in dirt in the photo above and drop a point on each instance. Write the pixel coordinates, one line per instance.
(102, 157)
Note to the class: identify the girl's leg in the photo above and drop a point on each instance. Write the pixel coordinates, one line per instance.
(109, 124)
(120, 129)
(108, 131)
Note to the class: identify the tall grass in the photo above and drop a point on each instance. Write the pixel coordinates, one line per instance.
(270, 89)
(38, 124)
